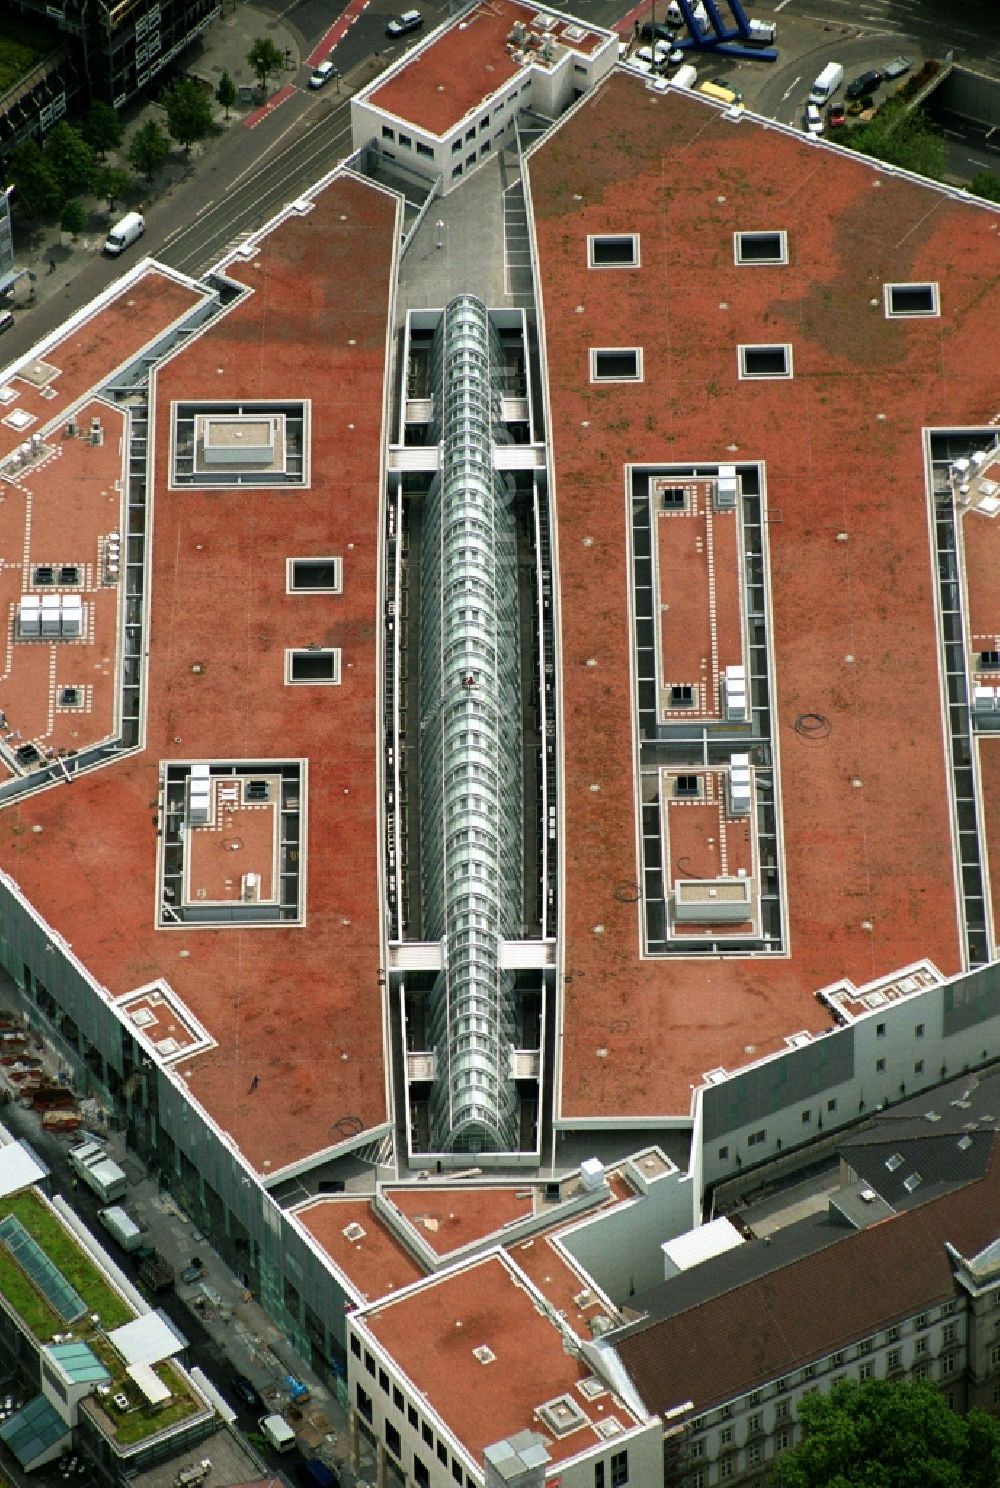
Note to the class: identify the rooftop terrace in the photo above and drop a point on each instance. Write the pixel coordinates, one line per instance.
(433, 1332)
(475, 57)
(295, 1012)
(865, 843)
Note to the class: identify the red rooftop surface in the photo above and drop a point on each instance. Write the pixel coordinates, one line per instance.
(54, 521)
(75, 363)
(296, 1012)
(466, 64)
(448, 1218)
(375, 1263)
(431, 1335)
(853, 625)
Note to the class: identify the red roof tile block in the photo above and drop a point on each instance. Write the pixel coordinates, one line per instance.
(853, 625)
(296, 1013)
(432, 1333)
(469, 62)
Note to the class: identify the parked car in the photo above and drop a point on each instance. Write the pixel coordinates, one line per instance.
(247, 1393)
(656, 31)
(6, 320)
(324, 72)
(192, 1273)
(866, 83)
(410, 20)
(836, 115)
(814, 119)
(896, 68)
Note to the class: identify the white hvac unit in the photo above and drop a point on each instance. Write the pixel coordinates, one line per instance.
(250, 888)
(592, 1173)
(738, 785)
(734, 694)
(726, 488)
(71, 618)
(984, 699)
(51, 615)
(29, 616)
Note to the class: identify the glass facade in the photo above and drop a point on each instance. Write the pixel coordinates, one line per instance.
(471, 795)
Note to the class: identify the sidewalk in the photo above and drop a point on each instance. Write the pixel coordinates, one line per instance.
(223, 47)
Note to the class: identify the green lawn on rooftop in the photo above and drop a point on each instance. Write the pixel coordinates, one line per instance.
(22, 46)
(140, 1420)
(64, 1253)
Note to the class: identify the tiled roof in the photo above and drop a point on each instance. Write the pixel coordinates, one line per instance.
(776, 1323)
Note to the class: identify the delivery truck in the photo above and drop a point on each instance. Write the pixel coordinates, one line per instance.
(91, 1162)
(121, 1227)
(277, 1432)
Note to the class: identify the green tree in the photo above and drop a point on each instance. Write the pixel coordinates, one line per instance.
(149, 149)
(73, 218)
(71, 159)
(265, 59)
(112, 182)
(36, 188)
(882, 1435)
(225, 93)
(189, 112)
(102, 129)
(903, 137)
(986, 183)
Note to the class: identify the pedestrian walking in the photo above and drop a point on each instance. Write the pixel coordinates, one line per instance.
(52, 265)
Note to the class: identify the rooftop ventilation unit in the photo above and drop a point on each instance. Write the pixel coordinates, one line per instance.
(725, 488)
(608, 1428)
(868, 1196)
(893, 1161)
(484, 1354)
(354, 1232)
(912, 1182)
(584, 1298)
(964, 1143)
(574, 33)
(600, 1324)
(591, 1387)
(738, 780)
(562, 1415)
(543, 22)
(592, 1174)
(734, 698)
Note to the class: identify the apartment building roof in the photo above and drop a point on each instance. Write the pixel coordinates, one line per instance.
(476, 56)
(291, 1014)
(863, 859)
(741, 1338)
(487, 1357)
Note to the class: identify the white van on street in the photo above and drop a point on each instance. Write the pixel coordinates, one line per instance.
(124, 233)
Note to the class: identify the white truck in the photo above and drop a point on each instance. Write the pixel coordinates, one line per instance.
(128, 230)
(91, 1162)
(278, 1433)
(121, 1227)
(826, 84)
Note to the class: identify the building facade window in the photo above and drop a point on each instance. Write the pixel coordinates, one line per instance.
(616, 364)
(619, 1470)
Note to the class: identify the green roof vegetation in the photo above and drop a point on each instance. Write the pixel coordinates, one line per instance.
(140, 1420)
(22, 47)
(65, 1253)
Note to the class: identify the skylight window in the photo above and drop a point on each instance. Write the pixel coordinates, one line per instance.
(614, 251)
(616, 364)
(913, 1181)
(903, 301)
(313, 665)
(760, 247)
(313, 576)
(766, 361)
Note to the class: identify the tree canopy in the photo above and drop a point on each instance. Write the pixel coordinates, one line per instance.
(264, 58)
(36, 187)
(71, 159)
(189, 112)
(102, 129)
(889, 1435)
(73, 219)
(900, 136)
(225, 93)
(149, 149)
(986, 183)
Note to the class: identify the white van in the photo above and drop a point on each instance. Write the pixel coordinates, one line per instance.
(124, 233)
(826, 84)
(685, 77)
